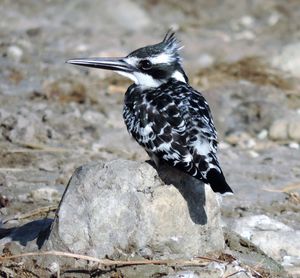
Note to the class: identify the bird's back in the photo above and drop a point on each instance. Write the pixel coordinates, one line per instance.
(173, 123)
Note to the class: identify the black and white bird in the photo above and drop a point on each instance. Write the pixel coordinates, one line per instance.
(164, 114)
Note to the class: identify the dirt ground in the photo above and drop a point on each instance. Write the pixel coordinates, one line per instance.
(54, 117)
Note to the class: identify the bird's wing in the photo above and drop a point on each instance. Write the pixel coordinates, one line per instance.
(163, 132)
(178, 129)
(202, 142)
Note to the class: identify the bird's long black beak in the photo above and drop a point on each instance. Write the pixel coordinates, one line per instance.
(116, 64)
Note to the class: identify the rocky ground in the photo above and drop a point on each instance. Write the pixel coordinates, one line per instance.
(54, 117)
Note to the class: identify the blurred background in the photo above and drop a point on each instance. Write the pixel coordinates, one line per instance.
(243, 55)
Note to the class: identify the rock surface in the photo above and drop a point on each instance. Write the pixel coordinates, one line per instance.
(276, 239)
(123, 208)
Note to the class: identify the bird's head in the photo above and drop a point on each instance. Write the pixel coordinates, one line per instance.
(149, 66)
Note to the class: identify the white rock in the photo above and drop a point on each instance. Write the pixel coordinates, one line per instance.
(134, 19)
(294, 129)
(263, 134)
(45, 193)
(123, 208)
(247, 226)
(93, 117)
(294, 145)
(289, 59)
(15, 53)
(245, 35)
(279, 130)
(247, 21)
(274, 18)
(272, 236)
(291, 260)
(206, 60)
(274, 243)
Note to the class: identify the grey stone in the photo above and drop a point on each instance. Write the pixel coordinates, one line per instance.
(45, 193)
(278, 130)
(136, 18)
(123, 208)
(15, 53)
(275, 244)
(246, 226)
(272, 236)
(289, 59)
(294, 129)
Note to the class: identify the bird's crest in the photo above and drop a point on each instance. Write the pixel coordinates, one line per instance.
(171, 41)
(171, 44)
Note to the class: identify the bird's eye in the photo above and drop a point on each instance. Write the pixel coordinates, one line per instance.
(145, 64)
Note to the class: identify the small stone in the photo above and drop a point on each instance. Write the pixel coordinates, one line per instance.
(206, 60)
(289, 59)
(133, 11)
(291, 260)
(294, 130)
(247, 21)
(253, 154)
(263, 134)
(81, 48)
(245, 35)
(93, 117)
(15, 53)
(294, 145)
(274, 18)
(241, 139)
(45, 193)
(54, 267)
(65, 90)
(223, 145)
(279, 130)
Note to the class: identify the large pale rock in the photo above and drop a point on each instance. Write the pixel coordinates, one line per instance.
(123, 208)
(275, 238)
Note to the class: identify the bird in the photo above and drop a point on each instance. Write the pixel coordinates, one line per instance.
(164, 114)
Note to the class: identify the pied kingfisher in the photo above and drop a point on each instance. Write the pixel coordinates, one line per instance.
(164, 114)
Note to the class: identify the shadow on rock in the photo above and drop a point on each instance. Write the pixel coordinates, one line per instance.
(38, 229)
(190, 188)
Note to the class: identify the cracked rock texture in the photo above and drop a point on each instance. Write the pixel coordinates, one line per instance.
(125, 208)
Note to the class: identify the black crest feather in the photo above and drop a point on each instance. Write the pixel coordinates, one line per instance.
(172, 44)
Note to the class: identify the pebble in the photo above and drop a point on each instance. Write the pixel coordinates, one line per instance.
(278, 130)
(223, 145)
(45, 193)
(15, 53)
(294, 130)
(205, 60)
(291, 260)
(92, 117)
(247, 21)
(253, 154)
(294, 145)
(289, 59)
(241, 139)
(274, 18)
(262, 134)
(81, 48)
(245, 35)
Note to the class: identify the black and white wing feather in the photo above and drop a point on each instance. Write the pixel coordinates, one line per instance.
(174, 124)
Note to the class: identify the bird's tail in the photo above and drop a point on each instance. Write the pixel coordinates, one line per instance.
(217, 182)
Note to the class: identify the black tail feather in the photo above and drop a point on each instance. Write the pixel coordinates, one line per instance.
(217, 182)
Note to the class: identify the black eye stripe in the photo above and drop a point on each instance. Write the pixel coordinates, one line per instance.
(145, 64)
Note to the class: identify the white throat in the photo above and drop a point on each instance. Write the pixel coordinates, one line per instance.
(146, 80)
